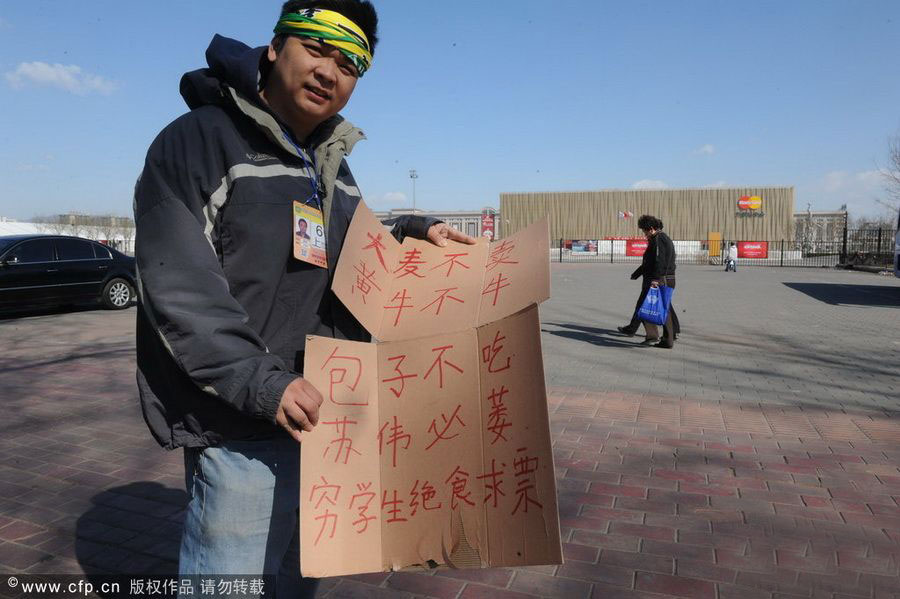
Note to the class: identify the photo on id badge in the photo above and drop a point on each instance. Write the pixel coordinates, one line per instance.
(309, 235)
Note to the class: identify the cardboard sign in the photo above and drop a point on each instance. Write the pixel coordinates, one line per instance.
(432, 449)
(419, 289)
(753, 249)
(636, 247)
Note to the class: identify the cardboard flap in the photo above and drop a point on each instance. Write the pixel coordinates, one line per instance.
(364, 274)
(516, 273)
(340, 487)
(418, 289)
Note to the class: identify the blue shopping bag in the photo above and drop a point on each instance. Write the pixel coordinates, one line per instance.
(655, 308)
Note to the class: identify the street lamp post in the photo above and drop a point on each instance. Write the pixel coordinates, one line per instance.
(413, 175)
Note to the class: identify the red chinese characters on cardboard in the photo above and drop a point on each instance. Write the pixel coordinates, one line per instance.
(402, 291)
(340, 483)
(447, 462)
(433, 446)
(517, 479)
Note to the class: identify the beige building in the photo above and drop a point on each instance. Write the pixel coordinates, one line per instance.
(736, 213)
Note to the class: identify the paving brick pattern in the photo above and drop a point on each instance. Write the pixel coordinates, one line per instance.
(744, 464)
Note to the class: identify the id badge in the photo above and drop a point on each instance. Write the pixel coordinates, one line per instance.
(309, 235)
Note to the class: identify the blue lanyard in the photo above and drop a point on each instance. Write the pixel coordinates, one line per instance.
(310, 172)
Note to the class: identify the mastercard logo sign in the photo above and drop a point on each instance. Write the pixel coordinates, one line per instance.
(750, 203)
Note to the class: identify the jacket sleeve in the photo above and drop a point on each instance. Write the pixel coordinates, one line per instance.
(664, 255)
(411, 226)
(638, 272)
(182, 287)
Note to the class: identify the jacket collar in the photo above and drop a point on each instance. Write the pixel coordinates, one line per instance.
(336, 133)
(330, 143)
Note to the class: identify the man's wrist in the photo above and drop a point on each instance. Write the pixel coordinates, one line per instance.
(271, 393)
(420, 225)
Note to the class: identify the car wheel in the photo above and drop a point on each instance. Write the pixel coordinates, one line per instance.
(117, 294)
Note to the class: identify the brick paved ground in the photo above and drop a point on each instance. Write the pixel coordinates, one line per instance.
(758, 459)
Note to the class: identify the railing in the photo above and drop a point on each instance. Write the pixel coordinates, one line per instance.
(859, 249)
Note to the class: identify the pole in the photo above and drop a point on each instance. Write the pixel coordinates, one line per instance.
(844, 246)
(560, 249)
(413, 175)
(782, 252)
(611, 248)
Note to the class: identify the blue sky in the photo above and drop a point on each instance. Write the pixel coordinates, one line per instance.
(482, 97)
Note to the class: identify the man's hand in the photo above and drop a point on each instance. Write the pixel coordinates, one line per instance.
(439, 234)
(654, 283)
(299, 408)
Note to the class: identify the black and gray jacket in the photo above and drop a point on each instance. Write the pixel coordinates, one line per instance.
(224, 309)
(659, 258)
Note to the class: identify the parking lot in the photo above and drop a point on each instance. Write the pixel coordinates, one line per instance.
(757, 459)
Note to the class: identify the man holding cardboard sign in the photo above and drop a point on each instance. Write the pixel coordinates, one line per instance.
(230, 287)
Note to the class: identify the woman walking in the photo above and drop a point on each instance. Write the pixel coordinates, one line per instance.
(657, 269)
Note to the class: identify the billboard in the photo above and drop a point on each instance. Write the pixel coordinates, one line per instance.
(636, 246)
(753, 249)
(487, 225)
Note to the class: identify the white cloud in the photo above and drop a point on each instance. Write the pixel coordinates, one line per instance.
(717, 184)
(834, 181)
(67, 77)
(858, 190)
(870, 178)
(649, 184)
(707, 149)
(31, 168)
(391, 199)
(843, 181)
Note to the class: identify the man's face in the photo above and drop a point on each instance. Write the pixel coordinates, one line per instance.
(301, 227)
(648, 233)
(310, 80)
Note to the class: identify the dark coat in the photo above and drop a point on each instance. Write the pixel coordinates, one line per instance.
(224, 308)
(659, 259)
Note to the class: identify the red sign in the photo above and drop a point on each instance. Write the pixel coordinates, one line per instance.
(635, 247)
(487, 225)
(753, 249)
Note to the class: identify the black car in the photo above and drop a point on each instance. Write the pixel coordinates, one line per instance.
(52, 270)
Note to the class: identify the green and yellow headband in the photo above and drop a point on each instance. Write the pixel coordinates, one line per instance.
(331, 28)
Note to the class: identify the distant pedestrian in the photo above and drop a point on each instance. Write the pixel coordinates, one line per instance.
(657, 268)
(731, 258)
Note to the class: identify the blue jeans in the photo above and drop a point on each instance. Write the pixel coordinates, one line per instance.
(242, 518)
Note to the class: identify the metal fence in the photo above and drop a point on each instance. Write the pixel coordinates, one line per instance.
(863, 247)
